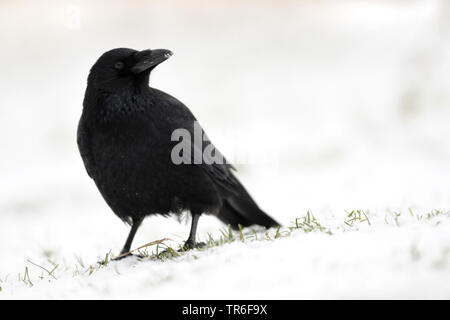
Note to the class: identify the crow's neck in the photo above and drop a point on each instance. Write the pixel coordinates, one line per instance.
(102, 106)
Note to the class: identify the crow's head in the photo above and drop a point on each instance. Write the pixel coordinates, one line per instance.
(125, 68)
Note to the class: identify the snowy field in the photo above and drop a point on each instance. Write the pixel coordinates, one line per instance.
(336, 114)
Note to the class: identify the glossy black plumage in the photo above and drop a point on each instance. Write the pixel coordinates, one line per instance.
(124, 137)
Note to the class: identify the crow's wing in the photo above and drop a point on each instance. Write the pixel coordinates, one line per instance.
(178, 116)
(220, 172)
(239, 208)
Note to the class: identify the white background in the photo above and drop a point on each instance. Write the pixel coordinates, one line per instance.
(323, 105)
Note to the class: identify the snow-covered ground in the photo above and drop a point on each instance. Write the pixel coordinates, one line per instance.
(325, 106)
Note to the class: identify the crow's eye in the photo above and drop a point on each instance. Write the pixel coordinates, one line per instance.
(119, 65)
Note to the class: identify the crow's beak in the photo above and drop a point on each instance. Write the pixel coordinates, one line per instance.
(149, 58)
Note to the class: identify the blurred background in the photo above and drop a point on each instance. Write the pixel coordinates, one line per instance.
(323, 105)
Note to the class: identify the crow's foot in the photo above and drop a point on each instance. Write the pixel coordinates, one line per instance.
(124, 255)
(188, 245)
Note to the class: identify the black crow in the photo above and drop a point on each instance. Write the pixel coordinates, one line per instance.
(126, 139)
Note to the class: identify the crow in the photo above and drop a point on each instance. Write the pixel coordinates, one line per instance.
(126, 140)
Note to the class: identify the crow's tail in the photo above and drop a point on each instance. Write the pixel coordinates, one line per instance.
(244, 211)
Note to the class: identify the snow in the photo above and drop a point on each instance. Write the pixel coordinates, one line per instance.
(377, 261)
(329, 107)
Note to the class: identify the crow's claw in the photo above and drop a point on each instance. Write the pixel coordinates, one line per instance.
(127, 255)
(188, 245)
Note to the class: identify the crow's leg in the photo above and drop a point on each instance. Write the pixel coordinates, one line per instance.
(190, 242)
(134, 227)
